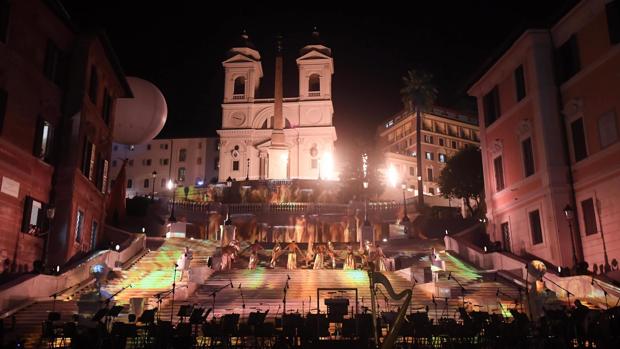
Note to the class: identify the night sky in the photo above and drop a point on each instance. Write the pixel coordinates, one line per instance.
(179, 46)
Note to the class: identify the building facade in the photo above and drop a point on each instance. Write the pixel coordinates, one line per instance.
(444, 132)
(192, 162)
(549, 133)
(57, 92)
(250, 136)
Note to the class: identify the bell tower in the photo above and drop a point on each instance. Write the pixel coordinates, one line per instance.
(316, 68)
(242, 71)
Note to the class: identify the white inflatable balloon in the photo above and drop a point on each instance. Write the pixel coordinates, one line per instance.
(139, 119)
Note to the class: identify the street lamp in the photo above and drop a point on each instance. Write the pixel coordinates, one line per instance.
(405, 218)
(172, 185)
(247, 175)
(154, 174)
(568, 213)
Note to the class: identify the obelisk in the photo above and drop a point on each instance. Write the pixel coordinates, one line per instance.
(278, 151)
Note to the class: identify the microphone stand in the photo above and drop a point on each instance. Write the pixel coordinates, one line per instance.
(174, 285)
(242, 301)
(286, 286)
(214, 293)
(460, 285)
(604, 291)
(568, 293)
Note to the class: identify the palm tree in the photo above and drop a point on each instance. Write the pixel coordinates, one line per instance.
(418, 95)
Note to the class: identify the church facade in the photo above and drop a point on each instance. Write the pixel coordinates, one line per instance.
(277, 138)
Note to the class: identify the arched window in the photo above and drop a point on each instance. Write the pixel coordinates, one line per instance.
(314, 83)
(268, 123)
(239, 88)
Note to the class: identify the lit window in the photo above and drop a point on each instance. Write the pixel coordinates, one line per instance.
(32, 216)
(181, 173)
(43, 146)
(78, 226)
(442, 157)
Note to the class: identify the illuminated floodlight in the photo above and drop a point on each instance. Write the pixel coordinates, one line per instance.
(327, 166)
(392, 176)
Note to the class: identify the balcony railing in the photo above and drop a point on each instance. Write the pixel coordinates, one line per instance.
(237, 97)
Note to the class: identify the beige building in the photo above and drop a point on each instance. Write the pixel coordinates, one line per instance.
(189, 161)
(444, 132)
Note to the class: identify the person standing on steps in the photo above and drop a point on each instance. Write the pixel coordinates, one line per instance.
(293, 249)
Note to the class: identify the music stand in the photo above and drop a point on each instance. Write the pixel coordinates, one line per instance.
(148, 316)
(115, 311)
(185, 311)
(195, 317)
(100, 314)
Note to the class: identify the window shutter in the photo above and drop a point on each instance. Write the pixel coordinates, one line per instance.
(26, 214)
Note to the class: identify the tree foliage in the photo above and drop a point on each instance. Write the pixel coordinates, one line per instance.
(462, 178)
(418, 91)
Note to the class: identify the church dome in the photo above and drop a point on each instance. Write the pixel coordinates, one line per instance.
(242, 45)
(315, 43)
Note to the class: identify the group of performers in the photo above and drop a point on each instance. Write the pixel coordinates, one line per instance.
(321, 256)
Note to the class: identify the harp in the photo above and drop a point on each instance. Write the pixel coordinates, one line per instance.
(379, 278)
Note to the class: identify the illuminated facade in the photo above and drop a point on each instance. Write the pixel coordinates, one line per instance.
(190, 161)
(251, 144)
(444, 132)
(550, 138)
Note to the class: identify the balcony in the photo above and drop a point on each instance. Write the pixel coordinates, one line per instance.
(238, 97)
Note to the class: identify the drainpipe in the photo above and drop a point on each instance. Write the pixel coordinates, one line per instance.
(576, 232)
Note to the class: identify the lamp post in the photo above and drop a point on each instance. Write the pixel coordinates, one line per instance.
(568, 213)
(247, 175)
(172, 185)
(154, 174)
(607, 266)
(405, 217)
(228, 186)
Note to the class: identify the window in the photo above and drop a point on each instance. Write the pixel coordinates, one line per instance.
(411, 171)
(428, 139)
(314, 163)
(163, 162)
(441, 142)
(129, 183)
(589, 217)
(607, 129)
(429, 174)
(216, 163)
(491, 106)
(163, 183)
(43, 140)
(182, 155)
(4, 19)
(613, 21)
(199, 161)
(94, 82)
(166, 146)
(88, 160)
(54, 64)
(454, 144)
(314, 83)
(536, 228)
(3, 100)
(528, 157)
(78, 226)
(181, 174)
(442, 157)
(520, 83)
(32, 218)
(146, 183)
(499, 173)
(103, 183)
(429, 155)
(568, 59)
(93, 234)
(239, 88)
(579, 140)
(431, 191)
(505, 236)
(146, 162)
(236, 165)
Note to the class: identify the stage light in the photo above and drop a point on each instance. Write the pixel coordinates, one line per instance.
(327, 166)
(385, 240)
(117, 247)
(392, 176)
